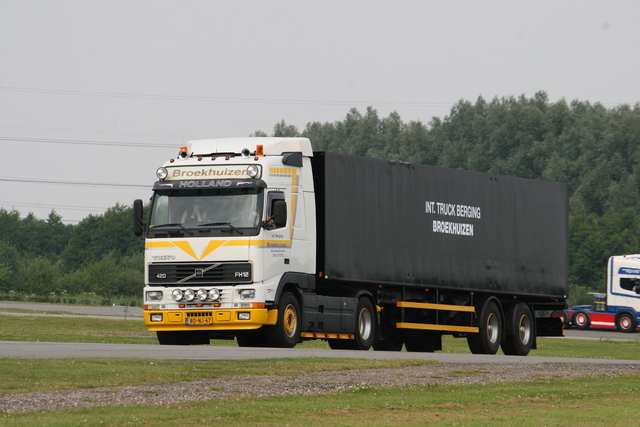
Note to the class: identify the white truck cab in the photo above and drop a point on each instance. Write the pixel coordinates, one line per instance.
(229, 217)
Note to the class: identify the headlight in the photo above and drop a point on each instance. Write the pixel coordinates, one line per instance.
(189, 295)
(214, 294)
(253, 171)
(154, 296)
(162, 173)
(156, 317)
(202, 294)
(247, 293)
(244, 316)
(177, 295)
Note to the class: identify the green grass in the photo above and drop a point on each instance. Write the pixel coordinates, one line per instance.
(74, 329)
(26, 375)
(592, 401)
(597, 402)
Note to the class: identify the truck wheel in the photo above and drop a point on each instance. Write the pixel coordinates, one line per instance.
(520, 344)
(626, 322)
(562, 315)
(365, 324)
(487, 340)
(364, 329)
(581, 319)
(286, 332)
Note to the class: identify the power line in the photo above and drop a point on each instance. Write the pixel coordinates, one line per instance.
(85, 142)
(50, 206)
(94, 131)
(85, 184)
(223, 99)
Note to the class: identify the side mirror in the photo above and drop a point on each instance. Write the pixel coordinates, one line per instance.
(280, 213)
(138, 223)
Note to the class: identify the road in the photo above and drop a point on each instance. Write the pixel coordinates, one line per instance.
(17, 349)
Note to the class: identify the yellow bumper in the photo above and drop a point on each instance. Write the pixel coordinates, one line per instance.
(210, 320)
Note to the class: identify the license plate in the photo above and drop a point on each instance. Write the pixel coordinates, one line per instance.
(206, 320)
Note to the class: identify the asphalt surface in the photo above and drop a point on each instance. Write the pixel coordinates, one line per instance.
(18, 349)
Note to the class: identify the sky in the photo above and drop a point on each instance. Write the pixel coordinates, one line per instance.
(95, 95)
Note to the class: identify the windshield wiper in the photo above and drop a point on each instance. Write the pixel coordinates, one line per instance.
(208, 224)
(173, 224)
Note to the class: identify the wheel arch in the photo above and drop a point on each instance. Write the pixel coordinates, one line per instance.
(484, 301)
(294, 283)
(631, 312)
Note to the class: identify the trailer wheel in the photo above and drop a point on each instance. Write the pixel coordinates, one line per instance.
(626, 322)
(562, 315)
(581, 319)
(521, 342)
(487, 340)
(286, 332)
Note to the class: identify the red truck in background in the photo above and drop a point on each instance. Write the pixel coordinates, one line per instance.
(619, 307)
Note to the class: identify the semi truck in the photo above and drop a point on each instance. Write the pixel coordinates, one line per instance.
(618, 307)
(267, 242)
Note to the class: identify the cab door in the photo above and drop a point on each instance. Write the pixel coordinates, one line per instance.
(277, 235)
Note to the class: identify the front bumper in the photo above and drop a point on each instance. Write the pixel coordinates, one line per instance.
(209, 320)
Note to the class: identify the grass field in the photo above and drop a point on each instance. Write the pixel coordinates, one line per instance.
(586, 401)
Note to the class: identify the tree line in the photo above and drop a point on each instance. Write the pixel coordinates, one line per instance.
(98, 261)
(595, 150)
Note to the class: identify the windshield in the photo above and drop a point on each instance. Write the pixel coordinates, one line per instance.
(206, 209)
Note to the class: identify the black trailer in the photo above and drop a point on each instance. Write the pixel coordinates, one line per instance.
(442, 250)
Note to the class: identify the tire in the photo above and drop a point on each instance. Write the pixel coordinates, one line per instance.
(581, 319)
(522, 322)
(562, 315)
(364, 329)
(626, 322)
(286, 332)
(487, 340)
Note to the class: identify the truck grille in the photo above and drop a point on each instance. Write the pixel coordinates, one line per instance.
(199, 273)
(199, 314)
